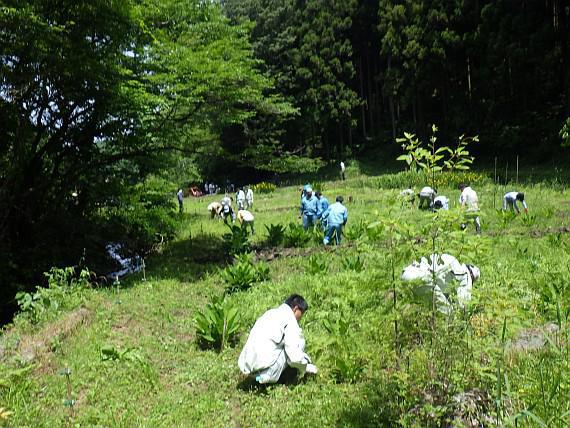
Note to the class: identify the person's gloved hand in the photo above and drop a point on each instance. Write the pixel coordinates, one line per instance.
(312, 369)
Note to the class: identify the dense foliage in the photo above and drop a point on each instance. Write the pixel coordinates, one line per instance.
(500, 69)
(100, 100)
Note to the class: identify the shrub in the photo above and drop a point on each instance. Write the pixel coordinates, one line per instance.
(275, 234)
(316, 265)
(355, 231)
(241, 275)
(236, 241)
(296, 236)
(341, 353)
(62, 291)
(405, 179)
(354, 263)
(264, 187)
(217, 325)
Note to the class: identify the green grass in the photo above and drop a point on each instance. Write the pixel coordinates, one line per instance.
(367, 377)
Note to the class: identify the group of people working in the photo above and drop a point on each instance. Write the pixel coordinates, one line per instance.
(225, 211)
(468, 200)
(276, 346)
(315, 209)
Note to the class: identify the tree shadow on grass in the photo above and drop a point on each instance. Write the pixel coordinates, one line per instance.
(190, 259)
(373, 411)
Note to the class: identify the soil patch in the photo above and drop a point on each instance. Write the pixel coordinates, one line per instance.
(40, 344)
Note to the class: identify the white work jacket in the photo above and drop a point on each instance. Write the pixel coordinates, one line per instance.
(274, 333)
(441, 275)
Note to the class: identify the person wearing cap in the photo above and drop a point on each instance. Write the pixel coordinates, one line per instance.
(470, 203)
(510, 200)
(442, 279)
(441, 203)
(246, 218)
(276, 342)
(309, 208)
(426, 195)
(335, 217)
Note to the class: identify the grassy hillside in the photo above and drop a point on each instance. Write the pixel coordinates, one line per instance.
(127, 355)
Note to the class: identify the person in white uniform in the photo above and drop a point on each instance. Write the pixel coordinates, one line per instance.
(426, 195)
(470, 202)
(249, 198)
(246, 218)
(276, 342)
(510, 200)
(443, 279)
(215, 209)
(441, 203)
(240, 199)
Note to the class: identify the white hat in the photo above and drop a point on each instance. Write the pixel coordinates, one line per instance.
(309, 189)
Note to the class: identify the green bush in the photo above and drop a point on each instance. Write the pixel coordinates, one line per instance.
(341, 353)
(354, 263)
(296, 236)
(275, 234)
(145, 216)
(355, 231)
(244, 272)
(444, 179)
(236, 241)
(264, 187)
(218, 324)
(64, 286)
(316, 264)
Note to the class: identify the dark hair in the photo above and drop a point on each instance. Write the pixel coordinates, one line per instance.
(438, 204)
(340, 199)
(318, 193)
(298, 301)
(520, 196)
(461, 186)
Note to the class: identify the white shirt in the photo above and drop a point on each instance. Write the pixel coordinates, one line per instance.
(427, 191)
(447, 273)
(249, 195)
(342, 168)
(444, 202)
(244, 216)
(275, 332)
(511, 197)
(226, 201)
(469, 199)
(240, 195)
